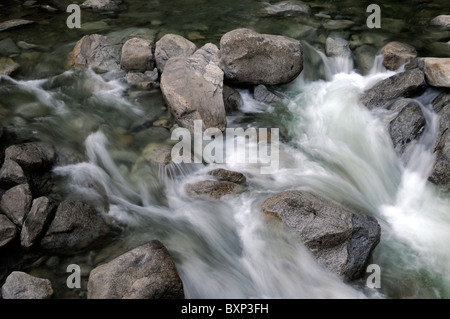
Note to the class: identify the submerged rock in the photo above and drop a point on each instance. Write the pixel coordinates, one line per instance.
(172, 45)
(262, 94)
(213, 190)
(337, 47)
(8, 66)
(287, 9)
(14, 23)
(395, 54)
(145, 272)
(405, 84)
(248, 57)
(193, 89)
(20, 285)
(102, 5)
(229, 176)
(339, 239)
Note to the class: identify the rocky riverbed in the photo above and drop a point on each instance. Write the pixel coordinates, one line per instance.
(43, 224)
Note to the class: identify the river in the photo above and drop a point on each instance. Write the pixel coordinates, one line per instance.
(330, 144)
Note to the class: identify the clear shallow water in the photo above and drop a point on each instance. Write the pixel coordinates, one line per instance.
(331, 144)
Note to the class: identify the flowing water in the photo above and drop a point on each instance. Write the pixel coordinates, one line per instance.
(330, 144)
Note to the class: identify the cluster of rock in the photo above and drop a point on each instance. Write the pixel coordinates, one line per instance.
(408, 122)
(36, 222)
(191, 78)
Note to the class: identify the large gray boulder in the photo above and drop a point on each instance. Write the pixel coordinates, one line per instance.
(172, 45)
(16, 203)
(8, 230)
(193, 89)
(99, 52)
(137, 55)
(248, 57)
(437, 71)
(76, 227)
(408, 124)
(38, 219)
(20, 285)
(395, 54)
(31, 156)
(404, 84)
(340, 239)
(145, 272)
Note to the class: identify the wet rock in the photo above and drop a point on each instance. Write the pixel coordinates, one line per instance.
(101, 5)
(437, 71)
(340, 239)
(232, 99)
(172, 45)
(135, 78)
(193, 89)
(99, 52)
(137, 55)
(145, 272)
(337, 47)
(338, 24)
(157, 153)
(229, 176)
(8, 47)
(442, 21)
(440, 174)
(248, 57)
(14, 23)
(8, 66)
(287, 9)
(8, 231)
(37, 221)
(76, 227)
(20, 285)
(262, 94)
(31, 156)
(11, 174)
(16, 203)
(213, 190)
(364, 58)
(395, 54)
(407, 126)
(405, 84)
